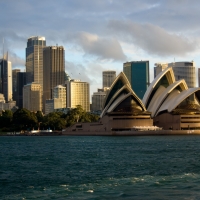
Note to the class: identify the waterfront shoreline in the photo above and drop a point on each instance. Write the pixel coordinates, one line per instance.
(112, 133)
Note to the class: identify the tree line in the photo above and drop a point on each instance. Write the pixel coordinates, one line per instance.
(23, 119)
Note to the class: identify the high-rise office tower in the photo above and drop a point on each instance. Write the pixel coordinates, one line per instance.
(137, 73)
(78, 93)
(6, 78)
(108, 78)
(14, 83)
(185, 70)
(159, 67)
(21, 81)
(32, 97)
(53, 69)
(34, 60)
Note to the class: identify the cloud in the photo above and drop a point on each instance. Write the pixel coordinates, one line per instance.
(152, 39)
(16, 61)
(102, 48)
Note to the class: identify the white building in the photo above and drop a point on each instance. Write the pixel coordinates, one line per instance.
(182, 70)
(32, 97)
(78, 93)
(60, 92)
(185, 70)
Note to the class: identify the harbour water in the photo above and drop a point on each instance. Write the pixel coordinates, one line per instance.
(100, 167)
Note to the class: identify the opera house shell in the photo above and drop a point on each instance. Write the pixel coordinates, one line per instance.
(172, 104)
(167, 103)
(122, 110)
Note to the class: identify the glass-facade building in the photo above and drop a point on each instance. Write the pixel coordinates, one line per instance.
(6, 79)
(137, 73)
(185, 70)
(34, 60)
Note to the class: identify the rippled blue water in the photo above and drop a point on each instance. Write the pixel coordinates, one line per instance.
(63, 167)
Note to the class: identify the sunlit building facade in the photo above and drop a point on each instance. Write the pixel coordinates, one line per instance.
(78, 93)
(34, 60)
(32, 97)
(186, 71)
(60, 92)
(54, 69)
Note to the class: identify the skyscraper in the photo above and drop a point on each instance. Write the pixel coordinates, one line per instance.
(6, 78)
(108, 78)
(53, 69)
(34, 60)
(14, 83)
(185, 70)
(137, 73)
(21, 81)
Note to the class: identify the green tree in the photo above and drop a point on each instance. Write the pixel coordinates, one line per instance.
(24, 119)
(55, 121)
(78, 114)
(6, 119)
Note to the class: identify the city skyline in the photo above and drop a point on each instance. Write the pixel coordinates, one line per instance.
(102, 35)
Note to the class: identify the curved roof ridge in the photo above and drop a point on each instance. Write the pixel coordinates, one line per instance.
(170, 77)
(127, 86)
(154, 102)
(118, 101)
(167, 91)
(125, 81)
(113, 98)
(182, 96)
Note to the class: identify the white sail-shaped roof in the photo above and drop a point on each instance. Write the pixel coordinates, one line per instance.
(162, 93)
(115, 87)
(181, 97)
(115, 95)
(125, 90)
(169, 74)
(175, 98)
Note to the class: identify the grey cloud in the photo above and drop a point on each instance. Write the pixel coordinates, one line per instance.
(16, 61)
(90, 73)
(103, 48)
(152, 39)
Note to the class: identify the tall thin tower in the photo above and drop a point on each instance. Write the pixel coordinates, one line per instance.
(34, 60)
(54, 70)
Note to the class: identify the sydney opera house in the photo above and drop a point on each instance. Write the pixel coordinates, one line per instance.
(167, 103)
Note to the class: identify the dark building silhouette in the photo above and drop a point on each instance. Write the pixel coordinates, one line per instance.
(21, 81)
(6, 79)
(14, 83)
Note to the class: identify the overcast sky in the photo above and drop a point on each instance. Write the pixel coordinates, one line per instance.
(101, 35)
